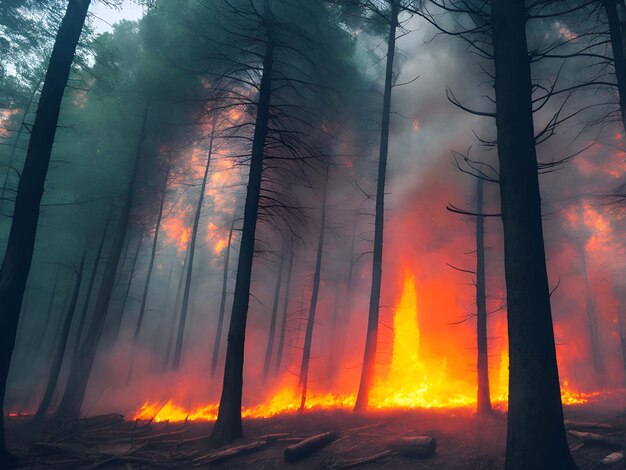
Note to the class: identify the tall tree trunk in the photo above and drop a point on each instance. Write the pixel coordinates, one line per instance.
(272, 332)
(155, 245)
(80, 369)
(92, 280)
(20, 129)
(369, 357)
(619, 59)
(308, 338)
(19, 252)
(283, 325)
(116, 326)
(536, 434)
(220, 318)
(483, 398)
(228, 425)
(57, 361)
(175, 310)
(178, 350)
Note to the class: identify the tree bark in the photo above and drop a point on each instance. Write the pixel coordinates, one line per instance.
(155, 245)
(308, 338)
(483, 398)
(178, 350)
(220, 318)
(536, 434)
(57, 361)
(369, 357)
(80, 369)
(41, 335)
(283, 325)
(272, 332)
(228, 425)
(19, 252)
(619, 60)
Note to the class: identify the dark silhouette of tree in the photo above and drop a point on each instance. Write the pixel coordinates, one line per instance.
(19, 252)
(303, 380)
(483, 398)
(369, 357)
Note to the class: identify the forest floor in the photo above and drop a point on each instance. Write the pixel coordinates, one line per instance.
(464, 441)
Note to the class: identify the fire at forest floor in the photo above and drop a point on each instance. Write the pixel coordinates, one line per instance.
(464, 441)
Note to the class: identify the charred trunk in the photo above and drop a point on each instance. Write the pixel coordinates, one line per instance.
(369, 357)
(308, 338)
(155, 245)
(228, 425)
(19, 252)
(220, 318)
(536, 435)
(175, 310)
(178, 350)
(483, 399)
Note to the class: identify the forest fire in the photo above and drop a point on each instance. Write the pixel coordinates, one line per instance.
(410, 381)
(227, 211)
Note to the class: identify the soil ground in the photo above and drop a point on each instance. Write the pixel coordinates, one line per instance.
(464, 441)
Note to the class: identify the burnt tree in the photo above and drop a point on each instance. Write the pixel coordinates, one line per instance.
(369, 356)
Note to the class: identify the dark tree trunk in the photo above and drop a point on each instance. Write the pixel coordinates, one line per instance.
(57, 361)
(536, 434)
(619, 60)
(220, 318)
(19, 252)
(272, 332)
(116, 322)
(283, 325)
(483, 401)
(80, 369)
(369, 357)
(308, 338)
(155, 245)
(92, 280)
(178, 350)
(228, 425)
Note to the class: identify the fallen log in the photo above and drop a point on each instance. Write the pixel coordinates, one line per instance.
(307, 446)
(612, 459)
(416, 446)
(589, 438)
(226, 453)
(576, 425)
